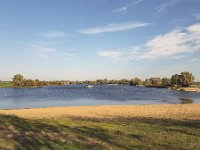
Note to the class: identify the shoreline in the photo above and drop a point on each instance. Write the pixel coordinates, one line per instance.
(188, 89)
(167, 111)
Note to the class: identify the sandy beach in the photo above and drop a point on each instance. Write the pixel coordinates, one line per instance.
(189, 89)
(171, 111)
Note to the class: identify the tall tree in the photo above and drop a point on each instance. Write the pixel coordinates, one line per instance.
(166, 82)
(187, 78)
(184, 79)
(18, 80)
(136, 81)
(29, 83)
(155, 81)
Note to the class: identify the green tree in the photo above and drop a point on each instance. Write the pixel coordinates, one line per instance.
(124, 81)
(147, 82)
(29, 83)
(101, 81)
(18, 80)
(166, 82)
(187, 79)
(37, 82)
(155, 81)
(176, 79)
(135, 81)
(184, 79)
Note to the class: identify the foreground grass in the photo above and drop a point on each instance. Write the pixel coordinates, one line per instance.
(86, 133)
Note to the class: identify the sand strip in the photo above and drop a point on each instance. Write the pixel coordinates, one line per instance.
(172, 111)
(189, 89)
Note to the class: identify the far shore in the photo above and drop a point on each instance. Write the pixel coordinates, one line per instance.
(167, 111)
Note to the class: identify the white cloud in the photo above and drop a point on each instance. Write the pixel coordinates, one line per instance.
(127, 5)
(163, 7)
(41, 50)
(195, 30)
(196, 16)
(53, 34)
(46, 51)
(134, 51)
(110, 54)
(166, 45)
(114, 27)
(177, 57)
(173, 43)
(121, 9)
(137, 2)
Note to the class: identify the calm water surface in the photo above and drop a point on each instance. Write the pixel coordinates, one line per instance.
(77, 95)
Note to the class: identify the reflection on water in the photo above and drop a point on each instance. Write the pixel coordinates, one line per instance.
(186, 100)
(77, 95)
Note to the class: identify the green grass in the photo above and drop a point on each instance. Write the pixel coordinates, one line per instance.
(10, 85)
(6, 85)
(195, 86)
(75, 133)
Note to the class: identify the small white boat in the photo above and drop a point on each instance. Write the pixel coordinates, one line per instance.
(89, 86)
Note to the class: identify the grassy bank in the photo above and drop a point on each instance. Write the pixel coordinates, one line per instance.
(84, 128)
(6, 85)
(84, 133)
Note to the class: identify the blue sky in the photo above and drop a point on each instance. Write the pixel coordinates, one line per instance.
(92, 39)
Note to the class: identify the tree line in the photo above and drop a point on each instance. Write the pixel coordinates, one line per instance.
(19, 81)
(184, 79)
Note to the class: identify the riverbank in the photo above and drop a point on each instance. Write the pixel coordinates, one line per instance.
(6, 85)
(102, 127)
(189, 89)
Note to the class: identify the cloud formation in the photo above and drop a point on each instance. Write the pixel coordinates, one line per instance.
(127, 5)
(170, 45)
(175, 42)
(163, 7)
(121, 9)
(53, 34)
(41, 50)
(137, 2)
(110, 54)
(114, 27)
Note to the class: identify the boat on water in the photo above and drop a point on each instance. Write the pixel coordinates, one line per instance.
(88, 86)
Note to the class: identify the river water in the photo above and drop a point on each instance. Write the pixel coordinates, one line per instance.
(77, 95)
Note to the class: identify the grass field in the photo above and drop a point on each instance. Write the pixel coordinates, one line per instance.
(135, 133)
(112, 132)
(6, 85)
